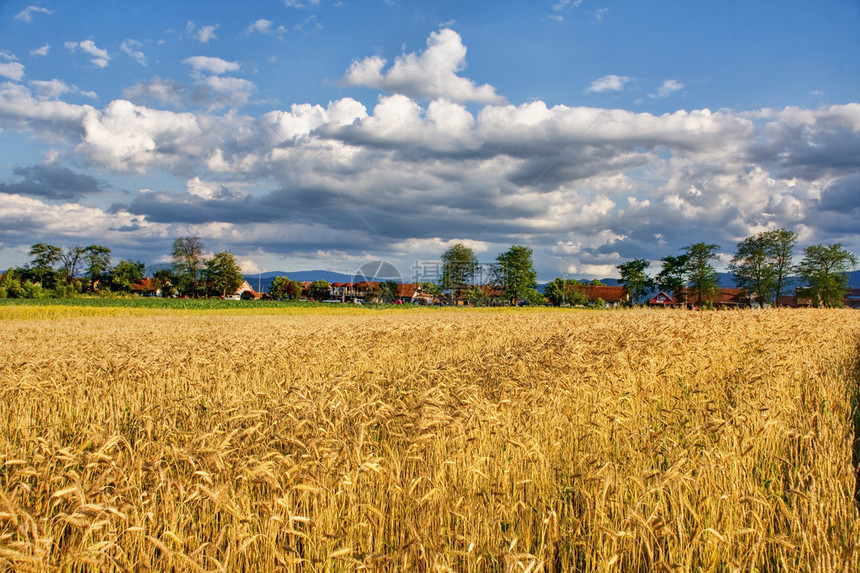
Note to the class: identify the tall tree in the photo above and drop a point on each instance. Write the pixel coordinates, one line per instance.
(752, 268)
(459, 265)
(97, 258)
(188, 259)
(41, 267)
(72, 260)
(516, 273)
(702, 277)
(672, 277)
(223, 273)
(634, 278)
(782, 243)
(825, 270)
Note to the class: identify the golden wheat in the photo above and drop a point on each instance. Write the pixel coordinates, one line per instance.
(430, 441)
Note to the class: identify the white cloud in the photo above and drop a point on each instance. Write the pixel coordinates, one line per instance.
(43, 51)
(609, 83)
(99, 57)
(211, 65)
(206, 33)
(12, 70)
(668, 88)
(427, 75)
(265, 27)
(51, 89)
(26, 15)
(130, 47)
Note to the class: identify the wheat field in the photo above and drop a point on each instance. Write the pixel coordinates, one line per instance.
(429, 440)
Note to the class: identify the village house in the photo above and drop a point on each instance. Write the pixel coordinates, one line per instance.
(725, 298)
(610, 295)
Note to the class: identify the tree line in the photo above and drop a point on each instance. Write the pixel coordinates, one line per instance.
(762, 265)
(56, 272)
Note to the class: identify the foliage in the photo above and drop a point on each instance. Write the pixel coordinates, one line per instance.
(701, 276)
(672, 277)
(41, 267)
(126, 274)
(430, 288)
(635, 279)
(319, 290)
(188, 256)
(515, 272)
(223, 274)
(781, 243)
(283, 287)
(72, 260)
(97, 258)
(825, 270)
(389, 291)
(762, 262)
(565, 292)
(459, 265)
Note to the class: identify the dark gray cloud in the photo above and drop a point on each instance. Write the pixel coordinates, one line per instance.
(52, 182)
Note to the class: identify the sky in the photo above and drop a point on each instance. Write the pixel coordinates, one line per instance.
(318, 134)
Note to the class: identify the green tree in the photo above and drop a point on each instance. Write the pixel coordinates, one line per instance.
(515, 272)
(459, 265)
(97, 259)
(164, 279)
(72, 260)
(762, 263)
(125, 274)
(223, 274)
(825, 270)
(782, 243)
(389, 291)
(565, 291)
(635, 279)
(41, 267)
(430, 288)
(701, 275)
(319, 290)
(752, 269)
(188, 256)
(672, 277)
(279, 287)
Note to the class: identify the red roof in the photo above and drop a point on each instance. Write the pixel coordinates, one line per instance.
(407, 290)
(606, 293)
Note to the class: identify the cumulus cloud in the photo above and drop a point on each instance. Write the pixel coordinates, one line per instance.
(427, 75)
(98, 57)
(608, 83)
(211, 92)
(26, 15)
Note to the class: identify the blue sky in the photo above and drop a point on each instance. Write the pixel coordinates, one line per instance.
(303, 134)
